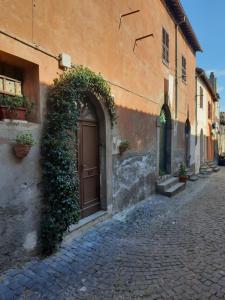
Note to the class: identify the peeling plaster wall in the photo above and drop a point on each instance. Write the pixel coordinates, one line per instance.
(133, 179)
(19, 196)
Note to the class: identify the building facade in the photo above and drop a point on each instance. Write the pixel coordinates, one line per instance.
(207, 107)
(146, 51)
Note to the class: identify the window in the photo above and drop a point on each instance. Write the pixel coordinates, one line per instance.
(165, 46)
(19, 77)
(10, 86)
(209, 111)
(184, 69)
(201, 97)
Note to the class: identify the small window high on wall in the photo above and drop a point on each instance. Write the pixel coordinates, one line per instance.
(20, 78)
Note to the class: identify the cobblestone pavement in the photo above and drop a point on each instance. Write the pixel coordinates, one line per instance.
(161, 249)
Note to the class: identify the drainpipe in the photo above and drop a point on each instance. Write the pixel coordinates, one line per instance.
(176, 64)
(176, 69)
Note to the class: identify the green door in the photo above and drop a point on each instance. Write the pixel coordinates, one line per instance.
(163, 144)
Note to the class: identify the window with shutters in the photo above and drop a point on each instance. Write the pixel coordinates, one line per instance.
(165, 46)
(184, 69)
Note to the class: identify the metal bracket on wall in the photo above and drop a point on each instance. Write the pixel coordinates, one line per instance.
(128, 14)
(141, 38)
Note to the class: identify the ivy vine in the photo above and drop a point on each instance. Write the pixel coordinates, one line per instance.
(66, 98)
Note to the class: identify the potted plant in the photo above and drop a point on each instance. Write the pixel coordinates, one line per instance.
(182, 173)
(123, 146)
(14, 107)
(24, 142)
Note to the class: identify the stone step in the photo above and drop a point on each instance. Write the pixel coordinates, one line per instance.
(190, 173)
(173, 190)
(216, 169)
(206, 171)
(163, 186)
(203, 167)
(193, 178)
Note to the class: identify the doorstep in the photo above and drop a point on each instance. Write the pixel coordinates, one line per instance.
(84, 224)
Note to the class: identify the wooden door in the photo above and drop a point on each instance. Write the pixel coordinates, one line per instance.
(88, 167)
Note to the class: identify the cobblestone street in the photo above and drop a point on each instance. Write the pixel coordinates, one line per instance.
(162, 249)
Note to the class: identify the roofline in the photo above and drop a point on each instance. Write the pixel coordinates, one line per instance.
(178, 12)
(202, 75)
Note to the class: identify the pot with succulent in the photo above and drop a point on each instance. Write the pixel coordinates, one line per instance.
(123, 146)
(14, 107)
(182, 173)
(24, 142)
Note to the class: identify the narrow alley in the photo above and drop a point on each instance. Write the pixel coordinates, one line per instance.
(161, 249)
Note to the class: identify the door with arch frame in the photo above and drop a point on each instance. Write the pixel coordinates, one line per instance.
(165, 141)
(187, 132)
(89, 161)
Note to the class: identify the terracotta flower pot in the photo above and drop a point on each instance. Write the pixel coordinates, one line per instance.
(122, 149)
(21, 150)
(183, 179)
(18, 113)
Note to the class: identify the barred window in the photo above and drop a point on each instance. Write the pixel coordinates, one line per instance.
(165, 46)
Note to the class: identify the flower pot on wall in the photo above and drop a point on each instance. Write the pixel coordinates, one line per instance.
(18, 113)
(21, 150)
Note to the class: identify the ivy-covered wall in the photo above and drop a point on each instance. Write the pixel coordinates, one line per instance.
(66, 98)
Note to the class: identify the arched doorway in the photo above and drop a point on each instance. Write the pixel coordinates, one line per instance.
(165, 140)
(202, 147)
(187, 132)
(94, 157)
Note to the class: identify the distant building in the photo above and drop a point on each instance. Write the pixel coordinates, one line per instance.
(222, 134)
(207, 111)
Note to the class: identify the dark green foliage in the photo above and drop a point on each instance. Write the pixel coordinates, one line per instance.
(182, 170)
(25, 139)
(59, 150)
(16, 101)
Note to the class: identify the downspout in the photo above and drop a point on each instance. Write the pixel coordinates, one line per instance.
(176, 70)
(176, 65)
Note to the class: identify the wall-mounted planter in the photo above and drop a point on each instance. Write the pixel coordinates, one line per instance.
(21, 150)
(18, 113)
(24, 142)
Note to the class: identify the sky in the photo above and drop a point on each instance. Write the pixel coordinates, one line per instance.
(208, 21)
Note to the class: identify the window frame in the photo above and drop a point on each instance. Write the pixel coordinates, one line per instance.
(184, 68)
(165, 46)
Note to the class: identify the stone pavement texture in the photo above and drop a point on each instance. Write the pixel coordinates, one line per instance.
(161, 249)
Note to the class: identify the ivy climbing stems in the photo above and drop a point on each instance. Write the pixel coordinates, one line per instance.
(65, 100)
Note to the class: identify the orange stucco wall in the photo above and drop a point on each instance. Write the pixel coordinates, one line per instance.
(89, 31)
